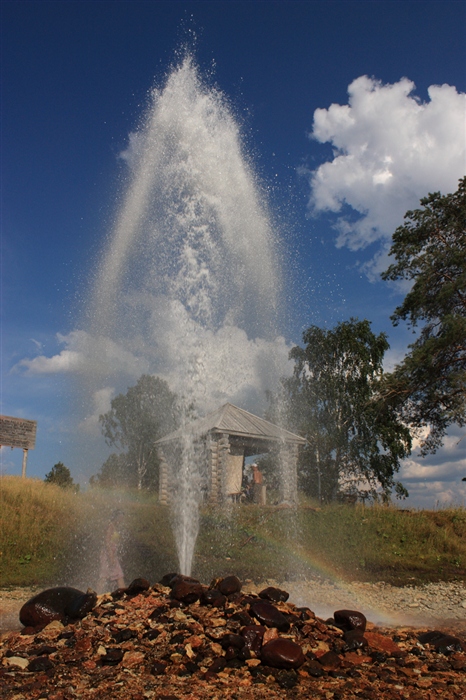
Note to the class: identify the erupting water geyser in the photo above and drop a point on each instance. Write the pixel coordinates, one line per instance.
(189, 285)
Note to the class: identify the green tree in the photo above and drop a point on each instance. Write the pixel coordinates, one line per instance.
(354, 443)
(135, 421)
(429, 386)
(115, 471)
(61, 476)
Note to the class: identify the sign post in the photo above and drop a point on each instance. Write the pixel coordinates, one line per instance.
(18, 432)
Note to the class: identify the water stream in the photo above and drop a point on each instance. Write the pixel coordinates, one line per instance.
(189, 283)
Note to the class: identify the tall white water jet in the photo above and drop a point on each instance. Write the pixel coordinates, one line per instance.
(188, 287)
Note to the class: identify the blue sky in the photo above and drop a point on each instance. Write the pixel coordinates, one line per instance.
(340, 166)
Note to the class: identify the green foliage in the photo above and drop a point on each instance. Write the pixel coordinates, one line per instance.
(354, 444)
(61, 476)
(136, 420)
(115, 472)
(429, 386)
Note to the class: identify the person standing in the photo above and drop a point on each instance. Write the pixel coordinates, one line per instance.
(258, 493)
(111, 571)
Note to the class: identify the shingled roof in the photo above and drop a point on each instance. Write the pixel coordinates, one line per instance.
(236, 421)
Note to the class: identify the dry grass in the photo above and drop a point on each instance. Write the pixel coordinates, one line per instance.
(52, 535)
(37, 523)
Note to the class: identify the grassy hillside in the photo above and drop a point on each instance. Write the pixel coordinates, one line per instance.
(49, 535)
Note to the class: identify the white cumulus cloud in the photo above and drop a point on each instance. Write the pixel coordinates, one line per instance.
(84, 353)
(390, 149)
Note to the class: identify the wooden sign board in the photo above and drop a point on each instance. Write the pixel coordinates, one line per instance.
(18, 432)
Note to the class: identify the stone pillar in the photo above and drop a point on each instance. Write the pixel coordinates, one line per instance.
(289, 474)
(164, 496)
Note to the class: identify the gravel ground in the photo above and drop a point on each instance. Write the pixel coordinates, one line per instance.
(11, 601)
(435, 604)
(144, 646)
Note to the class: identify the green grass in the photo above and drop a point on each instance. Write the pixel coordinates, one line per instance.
(49, 535)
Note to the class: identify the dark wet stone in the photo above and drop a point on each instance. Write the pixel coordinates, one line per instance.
(158, 668)
(191, 667)
(242, 617)
(233, 640)
(112, 657)
(151, 634)
(253, 636)
(214, 598)
(350, 620)
(186, 591)
(158, 612)
(43, 650)
(237, 598)
(448, 644)
(217, 665)
(430, 637)
(314, 668)
(274, 595)
(230, 653)
(181, 577)
(244, 653)
(229, 585)
(267, 614)
(354, 639)
(167, 579)
(305, 614)
(183, 672)
(342, 674)
(118, 593)
(80, 606)
(178, 638)
(244, 599)
(124, 635)
(330, 660)
(282, 653)
(137, 586)
(66, 635)
(286, 679)
(235, 663)
(59, 603)
(417, 651)
(40, 663)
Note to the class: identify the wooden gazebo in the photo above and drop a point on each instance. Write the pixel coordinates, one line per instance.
(224, 439)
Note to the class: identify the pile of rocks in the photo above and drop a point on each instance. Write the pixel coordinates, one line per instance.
(181, 639)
